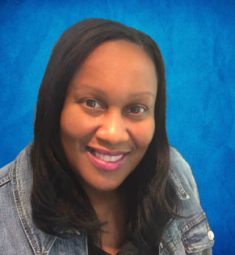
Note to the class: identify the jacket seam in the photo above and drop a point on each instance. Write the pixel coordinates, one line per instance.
(5, 180)
(20, 210)
(193, 222)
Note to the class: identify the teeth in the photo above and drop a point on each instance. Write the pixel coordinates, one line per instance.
(108, 158)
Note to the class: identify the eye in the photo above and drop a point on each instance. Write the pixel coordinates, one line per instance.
(91, 103)
(137, 109)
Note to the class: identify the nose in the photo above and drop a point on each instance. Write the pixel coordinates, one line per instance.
(113, 129)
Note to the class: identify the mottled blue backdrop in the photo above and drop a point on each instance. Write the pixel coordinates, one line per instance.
(197, 40)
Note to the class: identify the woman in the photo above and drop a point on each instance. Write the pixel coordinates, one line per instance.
(100, 177)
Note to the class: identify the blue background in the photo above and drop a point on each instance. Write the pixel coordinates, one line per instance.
(197, 40)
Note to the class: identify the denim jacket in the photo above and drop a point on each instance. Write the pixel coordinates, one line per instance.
(19, 235)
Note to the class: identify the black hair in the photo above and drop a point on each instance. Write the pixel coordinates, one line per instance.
(59, 204)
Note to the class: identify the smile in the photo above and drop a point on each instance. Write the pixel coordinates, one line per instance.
(106, 160)
(106, 157)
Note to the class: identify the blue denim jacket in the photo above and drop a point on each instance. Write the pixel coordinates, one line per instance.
(19, 235)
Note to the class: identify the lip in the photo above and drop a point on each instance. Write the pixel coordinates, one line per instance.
(103, 164)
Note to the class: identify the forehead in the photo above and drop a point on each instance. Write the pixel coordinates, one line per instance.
(118, 50)
(117, 64)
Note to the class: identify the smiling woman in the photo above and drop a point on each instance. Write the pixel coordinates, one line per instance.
(100, 176)
(103, 124)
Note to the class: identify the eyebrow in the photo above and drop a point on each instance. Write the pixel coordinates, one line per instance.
(145, 93)
(101, 93)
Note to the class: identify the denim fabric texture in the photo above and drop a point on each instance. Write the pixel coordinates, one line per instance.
(189, 234)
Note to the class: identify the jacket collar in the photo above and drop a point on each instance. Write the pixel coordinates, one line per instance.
(21, 175)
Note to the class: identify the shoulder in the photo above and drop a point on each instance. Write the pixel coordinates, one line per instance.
(190, 231)
(179, 165)
(181, 176)
(5, 171)
(11, 193)
(10, 175)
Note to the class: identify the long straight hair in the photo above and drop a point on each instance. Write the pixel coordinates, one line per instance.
(59, 204)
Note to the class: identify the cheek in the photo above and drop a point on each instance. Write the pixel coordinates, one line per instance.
(74, 124)
(144, 132)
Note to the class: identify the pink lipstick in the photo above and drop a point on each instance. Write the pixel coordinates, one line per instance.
(106, 160)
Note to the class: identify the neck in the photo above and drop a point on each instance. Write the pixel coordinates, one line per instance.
(111, 210)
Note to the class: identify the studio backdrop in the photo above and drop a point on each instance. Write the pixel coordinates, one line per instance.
(197, 40)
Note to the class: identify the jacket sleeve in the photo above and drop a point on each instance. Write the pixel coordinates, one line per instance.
(207, 252)
(197, 237)
(204, 252)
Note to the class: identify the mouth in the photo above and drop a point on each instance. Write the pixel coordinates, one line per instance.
(106, 160)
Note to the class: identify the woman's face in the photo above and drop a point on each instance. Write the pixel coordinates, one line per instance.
(107, 121)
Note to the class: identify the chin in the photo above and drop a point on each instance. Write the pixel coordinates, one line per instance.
(108, 188)
(105, 187)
